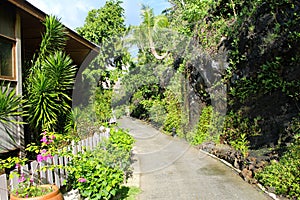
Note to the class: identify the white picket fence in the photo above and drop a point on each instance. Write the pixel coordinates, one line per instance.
(56, 176)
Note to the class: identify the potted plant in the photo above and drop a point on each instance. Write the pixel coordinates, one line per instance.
(31, 187)
(40, 192)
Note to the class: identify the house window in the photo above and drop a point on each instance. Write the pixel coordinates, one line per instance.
(7, 42)
(6, 58)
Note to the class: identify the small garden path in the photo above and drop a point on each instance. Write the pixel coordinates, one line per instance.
(168, 168)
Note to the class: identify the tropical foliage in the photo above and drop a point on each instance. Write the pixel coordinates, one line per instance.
(284, 175)
(99, 174)
(150, 31)
(209, 70)
(50, 79)
(10, 104)
(11, 108)
(253, 64)
(105, 27)
(103, 23)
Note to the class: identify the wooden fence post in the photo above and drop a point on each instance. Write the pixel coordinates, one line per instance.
(3, 187)
(56, 176)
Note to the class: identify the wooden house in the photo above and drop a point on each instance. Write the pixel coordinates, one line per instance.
(21, 28)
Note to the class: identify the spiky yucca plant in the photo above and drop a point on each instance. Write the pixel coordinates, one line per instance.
(10, 106)
(50, 79)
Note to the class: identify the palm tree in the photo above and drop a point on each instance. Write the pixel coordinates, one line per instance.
(150, 28)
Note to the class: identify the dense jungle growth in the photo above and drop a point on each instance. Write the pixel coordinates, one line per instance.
(223, 75)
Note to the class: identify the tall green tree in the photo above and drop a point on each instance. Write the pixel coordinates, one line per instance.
(104, 23)
(104, 26)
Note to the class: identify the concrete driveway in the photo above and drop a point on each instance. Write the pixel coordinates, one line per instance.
(168, 168)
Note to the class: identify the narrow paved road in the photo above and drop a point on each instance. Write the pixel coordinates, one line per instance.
(169, 169)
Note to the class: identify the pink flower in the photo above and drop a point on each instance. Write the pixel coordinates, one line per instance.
(21, 179)
(44, 133)
(81, 180)
(44, 140)
(48, 156)
(43, 151)
(18, 166)
(39, 158)
(53, 137)
(43, 156)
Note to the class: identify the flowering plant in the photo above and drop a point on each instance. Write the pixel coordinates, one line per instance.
(28, 183)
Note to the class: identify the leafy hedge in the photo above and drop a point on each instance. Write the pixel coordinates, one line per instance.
(284, 176)
(99, 174)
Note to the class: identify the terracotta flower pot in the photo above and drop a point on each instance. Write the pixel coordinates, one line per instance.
(55, 195)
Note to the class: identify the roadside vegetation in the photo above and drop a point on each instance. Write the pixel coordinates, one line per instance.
(233, 80)
(46, 107)
(256, 47)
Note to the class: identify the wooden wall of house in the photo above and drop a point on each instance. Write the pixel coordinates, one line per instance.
(12, 135)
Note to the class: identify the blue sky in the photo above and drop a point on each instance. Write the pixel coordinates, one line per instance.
(73, 12)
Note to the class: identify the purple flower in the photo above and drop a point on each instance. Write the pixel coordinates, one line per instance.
(81, 180)
(31, 180)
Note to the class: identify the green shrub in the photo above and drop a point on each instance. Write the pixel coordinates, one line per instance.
(209, 127)
(202, 130)
(119, 148)
(241, 144)
(82, 123)
(102, 104)
(237, 129)
(156, 110)
(99, 174)
(93, 176)
(284, 176)
(174, 112)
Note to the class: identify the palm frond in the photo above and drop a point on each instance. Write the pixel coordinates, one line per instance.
(42, 100)
(53, 39)
(50, 78)
(11, 105)
(60, 69)
(160, 21)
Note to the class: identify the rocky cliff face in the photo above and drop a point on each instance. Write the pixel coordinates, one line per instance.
(266, 78)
